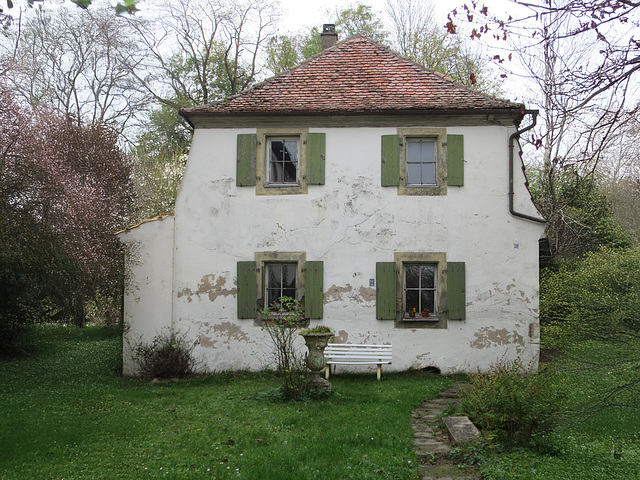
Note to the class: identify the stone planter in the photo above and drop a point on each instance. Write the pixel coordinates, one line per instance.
(316, 343)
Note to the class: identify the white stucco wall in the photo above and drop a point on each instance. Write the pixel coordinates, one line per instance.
(149, 290)
(350, 223)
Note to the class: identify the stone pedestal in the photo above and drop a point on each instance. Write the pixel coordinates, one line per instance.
(316, 343)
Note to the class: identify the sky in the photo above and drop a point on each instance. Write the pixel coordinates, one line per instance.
(311, 13)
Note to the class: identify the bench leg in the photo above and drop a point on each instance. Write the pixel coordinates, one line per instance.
(379, 372)
(327, 369)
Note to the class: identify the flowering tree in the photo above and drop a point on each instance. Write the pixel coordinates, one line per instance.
(64, 191)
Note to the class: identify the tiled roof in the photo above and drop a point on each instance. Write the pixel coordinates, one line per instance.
(357, 75)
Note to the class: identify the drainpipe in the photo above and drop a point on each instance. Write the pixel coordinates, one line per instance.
(534, 114)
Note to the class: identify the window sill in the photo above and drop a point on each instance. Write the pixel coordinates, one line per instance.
(421, 319)
(281, 185)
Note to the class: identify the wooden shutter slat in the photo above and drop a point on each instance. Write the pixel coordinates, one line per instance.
(316, 147)
(314, 293)
(390, 161)
(246, 160)
(456, 295)
(247, 290)
(455, 160)
(386, 291)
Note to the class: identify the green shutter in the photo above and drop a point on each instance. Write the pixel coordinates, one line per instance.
(455, 160)
(390, 161)
(247, 290)
(315, 158)
(314, 293)
(386, 291)
(246, 160)
(456, 301)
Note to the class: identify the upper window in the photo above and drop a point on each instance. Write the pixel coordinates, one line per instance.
(280, 161)
(421, 162)
(284, 160)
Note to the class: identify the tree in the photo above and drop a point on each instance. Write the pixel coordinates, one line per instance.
(287, 51)
(160, 155)
(416, 35)
(579, 66)
(65, 189)
(77, 62)
(201, 51)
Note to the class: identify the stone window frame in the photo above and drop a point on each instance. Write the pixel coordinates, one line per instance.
(264, 258)
(439, 136)
(437, 319)
(262, 185)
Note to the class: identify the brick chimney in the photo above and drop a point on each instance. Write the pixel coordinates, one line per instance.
(328, 37)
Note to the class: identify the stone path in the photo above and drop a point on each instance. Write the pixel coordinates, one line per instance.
(432, 444)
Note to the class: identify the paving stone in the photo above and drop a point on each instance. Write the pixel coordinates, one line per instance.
(461, 430)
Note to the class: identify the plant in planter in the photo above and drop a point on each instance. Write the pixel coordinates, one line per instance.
(316, 339)
(281, 320)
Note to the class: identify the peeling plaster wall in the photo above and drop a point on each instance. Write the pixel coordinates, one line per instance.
(149, 293)
(350, 223)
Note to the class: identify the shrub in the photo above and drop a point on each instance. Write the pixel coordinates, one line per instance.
(512, 407)
(169, 355)
(281, 321)
(599, 295)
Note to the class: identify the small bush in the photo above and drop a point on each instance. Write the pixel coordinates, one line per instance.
(169, 355)
(281, 321)
(512, 407)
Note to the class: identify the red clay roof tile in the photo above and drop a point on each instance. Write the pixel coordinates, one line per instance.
(357, 75)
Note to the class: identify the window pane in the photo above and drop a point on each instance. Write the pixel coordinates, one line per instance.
(428, 151)
(412, 301)
(291, 151)
(289, 292)
(412, 276)
(413, 173)
(289, 276)
(427, 274)
(426, 298)
(428, 173)
(274, 274)
(413, 152)
(290, 175)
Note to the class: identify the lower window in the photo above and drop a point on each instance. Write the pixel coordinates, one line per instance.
(420, 290)
(280, 281)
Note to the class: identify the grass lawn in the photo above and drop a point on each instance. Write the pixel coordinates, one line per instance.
(585, 448)
(65, 414)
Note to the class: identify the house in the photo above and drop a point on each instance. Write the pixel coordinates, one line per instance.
(369, 188)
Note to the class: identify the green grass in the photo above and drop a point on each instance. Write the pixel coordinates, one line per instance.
(585, 445)
(64, 413)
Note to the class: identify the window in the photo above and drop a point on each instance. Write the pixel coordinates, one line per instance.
(276, 274)
(280, 161)
(420, 288)
(422, 161)
(280, 281)
(283, 157)
(420, 281)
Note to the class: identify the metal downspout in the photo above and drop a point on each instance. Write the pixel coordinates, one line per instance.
(515, 135)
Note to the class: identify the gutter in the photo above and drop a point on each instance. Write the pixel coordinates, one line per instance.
(512, 211)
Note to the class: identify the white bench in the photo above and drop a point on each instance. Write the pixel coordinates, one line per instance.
(351, 354)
